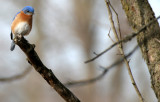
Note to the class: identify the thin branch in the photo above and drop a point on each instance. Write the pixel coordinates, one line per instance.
(46, 73)
(121, 48)
(16, 77)
(86, 82)
(119, 29)
(110, 36)
(126, 39)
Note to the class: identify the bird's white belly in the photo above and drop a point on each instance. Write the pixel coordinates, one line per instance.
(22, 28)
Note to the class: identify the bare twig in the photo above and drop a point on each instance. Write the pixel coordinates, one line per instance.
(46, 73)
(16, 77)
(86, 82)
(126, 39)
(119, 29)
(121, 47)
(110, 36)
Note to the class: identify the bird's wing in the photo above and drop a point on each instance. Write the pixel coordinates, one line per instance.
(11, 31)
(15, 16)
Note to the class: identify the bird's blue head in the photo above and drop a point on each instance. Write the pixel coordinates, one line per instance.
(28, 10)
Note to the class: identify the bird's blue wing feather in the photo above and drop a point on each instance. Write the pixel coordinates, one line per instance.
(15, 16)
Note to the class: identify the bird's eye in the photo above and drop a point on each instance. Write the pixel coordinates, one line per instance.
(27, 11)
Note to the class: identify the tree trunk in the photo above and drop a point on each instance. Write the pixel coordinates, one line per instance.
(139, 13)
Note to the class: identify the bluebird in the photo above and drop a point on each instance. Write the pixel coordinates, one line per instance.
(22, 24)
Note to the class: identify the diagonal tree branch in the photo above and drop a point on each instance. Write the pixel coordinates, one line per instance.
(120, 46)
(105, 70)
(126, 39)
(46, 73)
(85, 82)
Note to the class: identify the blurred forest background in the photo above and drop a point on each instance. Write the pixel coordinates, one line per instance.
(66, 33)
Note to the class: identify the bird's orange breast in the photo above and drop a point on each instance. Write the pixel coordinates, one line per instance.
(21, 17)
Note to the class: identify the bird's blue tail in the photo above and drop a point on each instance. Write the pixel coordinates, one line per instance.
(12, 46)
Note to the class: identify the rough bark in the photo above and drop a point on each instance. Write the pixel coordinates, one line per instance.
(139, 13)
(46, 73)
